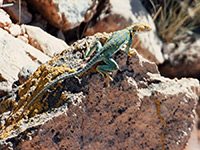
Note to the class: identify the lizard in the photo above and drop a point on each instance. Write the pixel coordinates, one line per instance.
(103, 53)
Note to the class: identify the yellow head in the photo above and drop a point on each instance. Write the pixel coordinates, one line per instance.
(139, 27)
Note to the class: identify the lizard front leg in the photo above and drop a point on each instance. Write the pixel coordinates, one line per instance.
(128, 50)
(91, 50)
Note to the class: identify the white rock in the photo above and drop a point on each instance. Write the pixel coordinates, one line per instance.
(14, 29)
(73, 11)
(15, 54)
(44, 41)
(4, 18)
(23, 38)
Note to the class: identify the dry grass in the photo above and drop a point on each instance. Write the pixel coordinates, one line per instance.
(176, 18)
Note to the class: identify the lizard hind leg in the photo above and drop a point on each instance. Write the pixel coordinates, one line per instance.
(111, 65)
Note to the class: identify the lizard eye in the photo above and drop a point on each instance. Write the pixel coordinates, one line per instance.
(140, 29)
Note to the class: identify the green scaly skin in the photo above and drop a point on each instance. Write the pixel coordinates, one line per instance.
(103, 53)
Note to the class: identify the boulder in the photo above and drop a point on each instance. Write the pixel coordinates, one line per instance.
(139, 110)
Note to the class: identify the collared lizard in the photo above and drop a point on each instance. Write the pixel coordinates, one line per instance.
(103, 53)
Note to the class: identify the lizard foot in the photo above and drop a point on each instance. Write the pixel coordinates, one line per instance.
(109, 78)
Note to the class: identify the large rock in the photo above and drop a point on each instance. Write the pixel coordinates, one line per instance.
(43, 41)
(140, 109)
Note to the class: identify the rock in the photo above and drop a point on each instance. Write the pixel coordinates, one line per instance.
(26, 72)
(65, 14)
(14, 55)
(5, 88)
(4, 19)
(183, 61)
(24, 38)
(193, 143)
(16, 51)
(37, 38)
(120, 14)
(14, 29)
(44, 41)
(1, 2)
(140, 109)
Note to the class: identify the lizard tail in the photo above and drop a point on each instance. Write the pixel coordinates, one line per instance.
(53, 82)
(62, 77)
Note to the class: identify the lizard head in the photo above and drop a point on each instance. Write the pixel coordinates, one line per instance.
(139, 27)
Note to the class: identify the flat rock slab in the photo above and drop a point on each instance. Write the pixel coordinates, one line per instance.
(140, 110)
(14, 55)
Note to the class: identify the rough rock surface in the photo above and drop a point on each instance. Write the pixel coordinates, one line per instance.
(120, 14)
(183, 61)
(140, 110)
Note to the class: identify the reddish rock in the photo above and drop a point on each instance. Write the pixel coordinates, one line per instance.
(133, 113)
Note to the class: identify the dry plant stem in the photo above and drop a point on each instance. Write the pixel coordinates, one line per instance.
(157, 13)
(6, 5)
(173, 17)
(20, 11)
(154, 7)
(180, 23)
